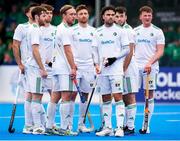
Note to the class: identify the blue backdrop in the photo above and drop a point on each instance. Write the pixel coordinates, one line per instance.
(168, 86)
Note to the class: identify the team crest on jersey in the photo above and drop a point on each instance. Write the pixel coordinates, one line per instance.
(138, 33)
(52, 34)
(152, 34)
(114, 33)
(101, 35)
(91, 84)
(91, 34)
(78, 33)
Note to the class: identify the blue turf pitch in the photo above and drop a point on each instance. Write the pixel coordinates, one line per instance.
(165, 124)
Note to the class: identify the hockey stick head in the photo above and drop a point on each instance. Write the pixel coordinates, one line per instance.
(142, 131)
(11, 130)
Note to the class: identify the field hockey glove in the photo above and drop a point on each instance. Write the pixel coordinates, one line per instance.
(110, 61)
(50, 64)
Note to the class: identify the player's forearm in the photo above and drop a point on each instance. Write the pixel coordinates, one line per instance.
(124, 52)
(95, 55)
(129, 56)
(37, 57)
(157, 55)
(16, 53)
(69, 56)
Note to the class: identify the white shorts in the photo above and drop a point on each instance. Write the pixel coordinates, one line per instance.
(131, 84)
(85, 80)
(152, 81)
(34, 81)
(48, 84)
(110, 84)
(63, 82)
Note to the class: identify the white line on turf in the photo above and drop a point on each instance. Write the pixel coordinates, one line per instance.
(95, 115)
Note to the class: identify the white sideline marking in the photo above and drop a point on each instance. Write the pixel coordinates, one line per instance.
(96, 115)
(173, 120)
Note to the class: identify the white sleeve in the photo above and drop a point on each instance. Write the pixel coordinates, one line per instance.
(124, 44)
(131, 36)
(124, 38)
(35, 36)
(18, 33)
(66, 37)
(95, 49)
(160, 37)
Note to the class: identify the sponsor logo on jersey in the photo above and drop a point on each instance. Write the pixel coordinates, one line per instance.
(143, 41)
(107, 42)
(85, 40)
(48, 39)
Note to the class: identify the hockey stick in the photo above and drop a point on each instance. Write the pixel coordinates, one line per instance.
(87, 112)
(92, 93)
(146, 111)
(10, 128)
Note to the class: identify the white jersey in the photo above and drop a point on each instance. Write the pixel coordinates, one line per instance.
(130, 32)
(34, 36)
(20, 35)
(63, 37)
(48, 36)
(82, 46)
(132, 68)
(109, 42)
(146, 41)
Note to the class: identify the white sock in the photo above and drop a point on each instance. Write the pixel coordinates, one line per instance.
(120, 112)
(82, 110)
(43, 116)
(125, 117)
(28, 113)
(65, 110)
(36, 113)
(131, 114)
(151, 109)
(71, 114)
(107, 113)
(51, 113)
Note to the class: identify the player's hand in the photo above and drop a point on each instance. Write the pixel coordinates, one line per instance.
(21, 67)
(147, 68)
(109, 61)
(73, 73)
(43, 73)
(98, 69)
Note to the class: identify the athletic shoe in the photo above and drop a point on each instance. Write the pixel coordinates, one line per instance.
(72, 133)
(127, 131)
(50, 131)
(106, 131)
(56, 128)
(27, 129)
(38, 130)
(63, 132)
(119, 132)
(82, 128)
